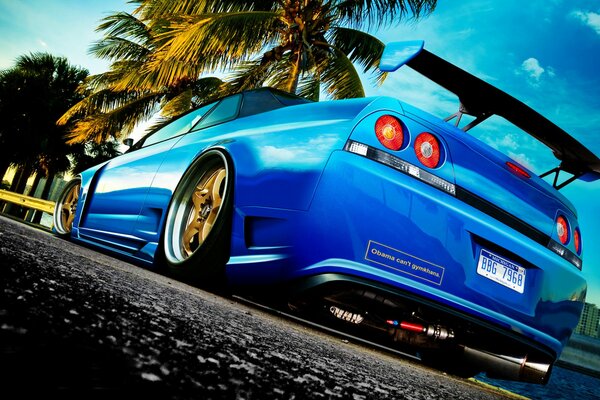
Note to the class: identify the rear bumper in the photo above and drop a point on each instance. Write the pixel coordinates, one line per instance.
(361, 207)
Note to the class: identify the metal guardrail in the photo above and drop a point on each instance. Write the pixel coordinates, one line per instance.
(28, 201)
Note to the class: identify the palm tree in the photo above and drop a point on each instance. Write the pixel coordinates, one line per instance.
(33, 95)
(129, 93)
(93, 153)
(162, 54)
(301, 46)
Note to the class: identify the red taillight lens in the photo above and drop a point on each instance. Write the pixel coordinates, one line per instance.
(515, 169)
(427, 149)
(389, 132)
(562, 228)
(577, 240)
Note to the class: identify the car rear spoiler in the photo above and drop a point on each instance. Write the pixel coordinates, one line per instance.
(482, 100)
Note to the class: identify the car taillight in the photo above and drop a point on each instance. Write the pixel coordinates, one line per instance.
(515, 169)
(427, 149)
(577, 240)
(389, 132)
(562, 228)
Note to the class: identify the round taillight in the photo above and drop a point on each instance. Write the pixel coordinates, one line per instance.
(389, 132)
(427, 149)
(515, 169)
(577, 240)
(562, 228)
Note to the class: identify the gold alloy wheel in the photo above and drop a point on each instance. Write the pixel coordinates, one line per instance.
(66, 208)
(206, 200)
(69, 207)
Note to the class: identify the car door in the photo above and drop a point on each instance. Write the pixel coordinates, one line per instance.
(122, 185)
(175, 164)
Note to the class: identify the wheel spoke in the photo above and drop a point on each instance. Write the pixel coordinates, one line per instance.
(206, 230)
(188, 236)
(197, 209)
(216, 189)
(70, 221)
(198, 198)
(68, 208)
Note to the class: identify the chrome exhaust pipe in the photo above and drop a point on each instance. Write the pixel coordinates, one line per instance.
(501, 366)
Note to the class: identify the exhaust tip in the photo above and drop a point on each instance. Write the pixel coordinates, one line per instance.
(501, 366)
(535, 372)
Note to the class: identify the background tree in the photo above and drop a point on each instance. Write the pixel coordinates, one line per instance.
(129, 93)
(33, 95)
(162, 54)
(91, 154)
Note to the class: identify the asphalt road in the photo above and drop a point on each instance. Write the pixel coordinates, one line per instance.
(79, 324)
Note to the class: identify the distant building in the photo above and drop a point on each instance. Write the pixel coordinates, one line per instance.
(590, 318)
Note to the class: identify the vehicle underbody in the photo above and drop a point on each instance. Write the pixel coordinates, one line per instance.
(438, 335)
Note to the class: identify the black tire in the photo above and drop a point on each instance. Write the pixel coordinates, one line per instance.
(66, 208)
(197, 233)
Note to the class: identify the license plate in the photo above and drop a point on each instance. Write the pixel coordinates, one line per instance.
(501, 270)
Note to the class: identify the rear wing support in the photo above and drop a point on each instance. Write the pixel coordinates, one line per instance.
(482, 100)
(556, 171)
(462, 110)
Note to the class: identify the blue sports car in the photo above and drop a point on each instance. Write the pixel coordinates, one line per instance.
(369, 212)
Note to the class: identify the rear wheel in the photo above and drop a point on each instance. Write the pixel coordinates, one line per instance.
(198, 225)
(66, 208)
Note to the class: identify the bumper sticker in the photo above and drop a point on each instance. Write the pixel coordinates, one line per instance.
(400, 261)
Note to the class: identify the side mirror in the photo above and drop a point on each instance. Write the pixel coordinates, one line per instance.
(128, 142)
(396, 54)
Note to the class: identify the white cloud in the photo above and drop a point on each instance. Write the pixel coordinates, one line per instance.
(532, 67)
(589, 18)
(416, 90)
(42, 43)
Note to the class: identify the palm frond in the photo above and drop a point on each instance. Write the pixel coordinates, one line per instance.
(249, 75)
(169, 72)
(100, 102)
(310, 87)
(116, 48)
(115, 124)
(153, 9)
(220, 39)
(361, 48)
(340, 78)
(281, 73)
(377, 13)
(178, 104)
(125, 25)
(208, 89)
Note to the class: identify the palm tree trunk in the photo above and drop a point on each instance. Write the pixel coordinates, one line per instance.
(16, 179)
(31, 214)
(47, 186)
(36, 182)
(44, 195)
(3, 169)
(18, 185)
(294, 71)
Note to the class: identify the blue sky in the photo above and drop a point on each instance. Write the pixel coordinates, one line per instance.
(544, 52)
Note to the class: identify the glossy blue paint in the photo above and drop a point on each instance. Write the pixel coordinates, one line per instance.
(397, 54)
(305, 206)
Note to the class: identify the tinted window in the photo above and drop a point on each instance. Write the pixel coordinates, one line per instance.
(226, 110)
(258, 101)
(179, 126)
(290, 100)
